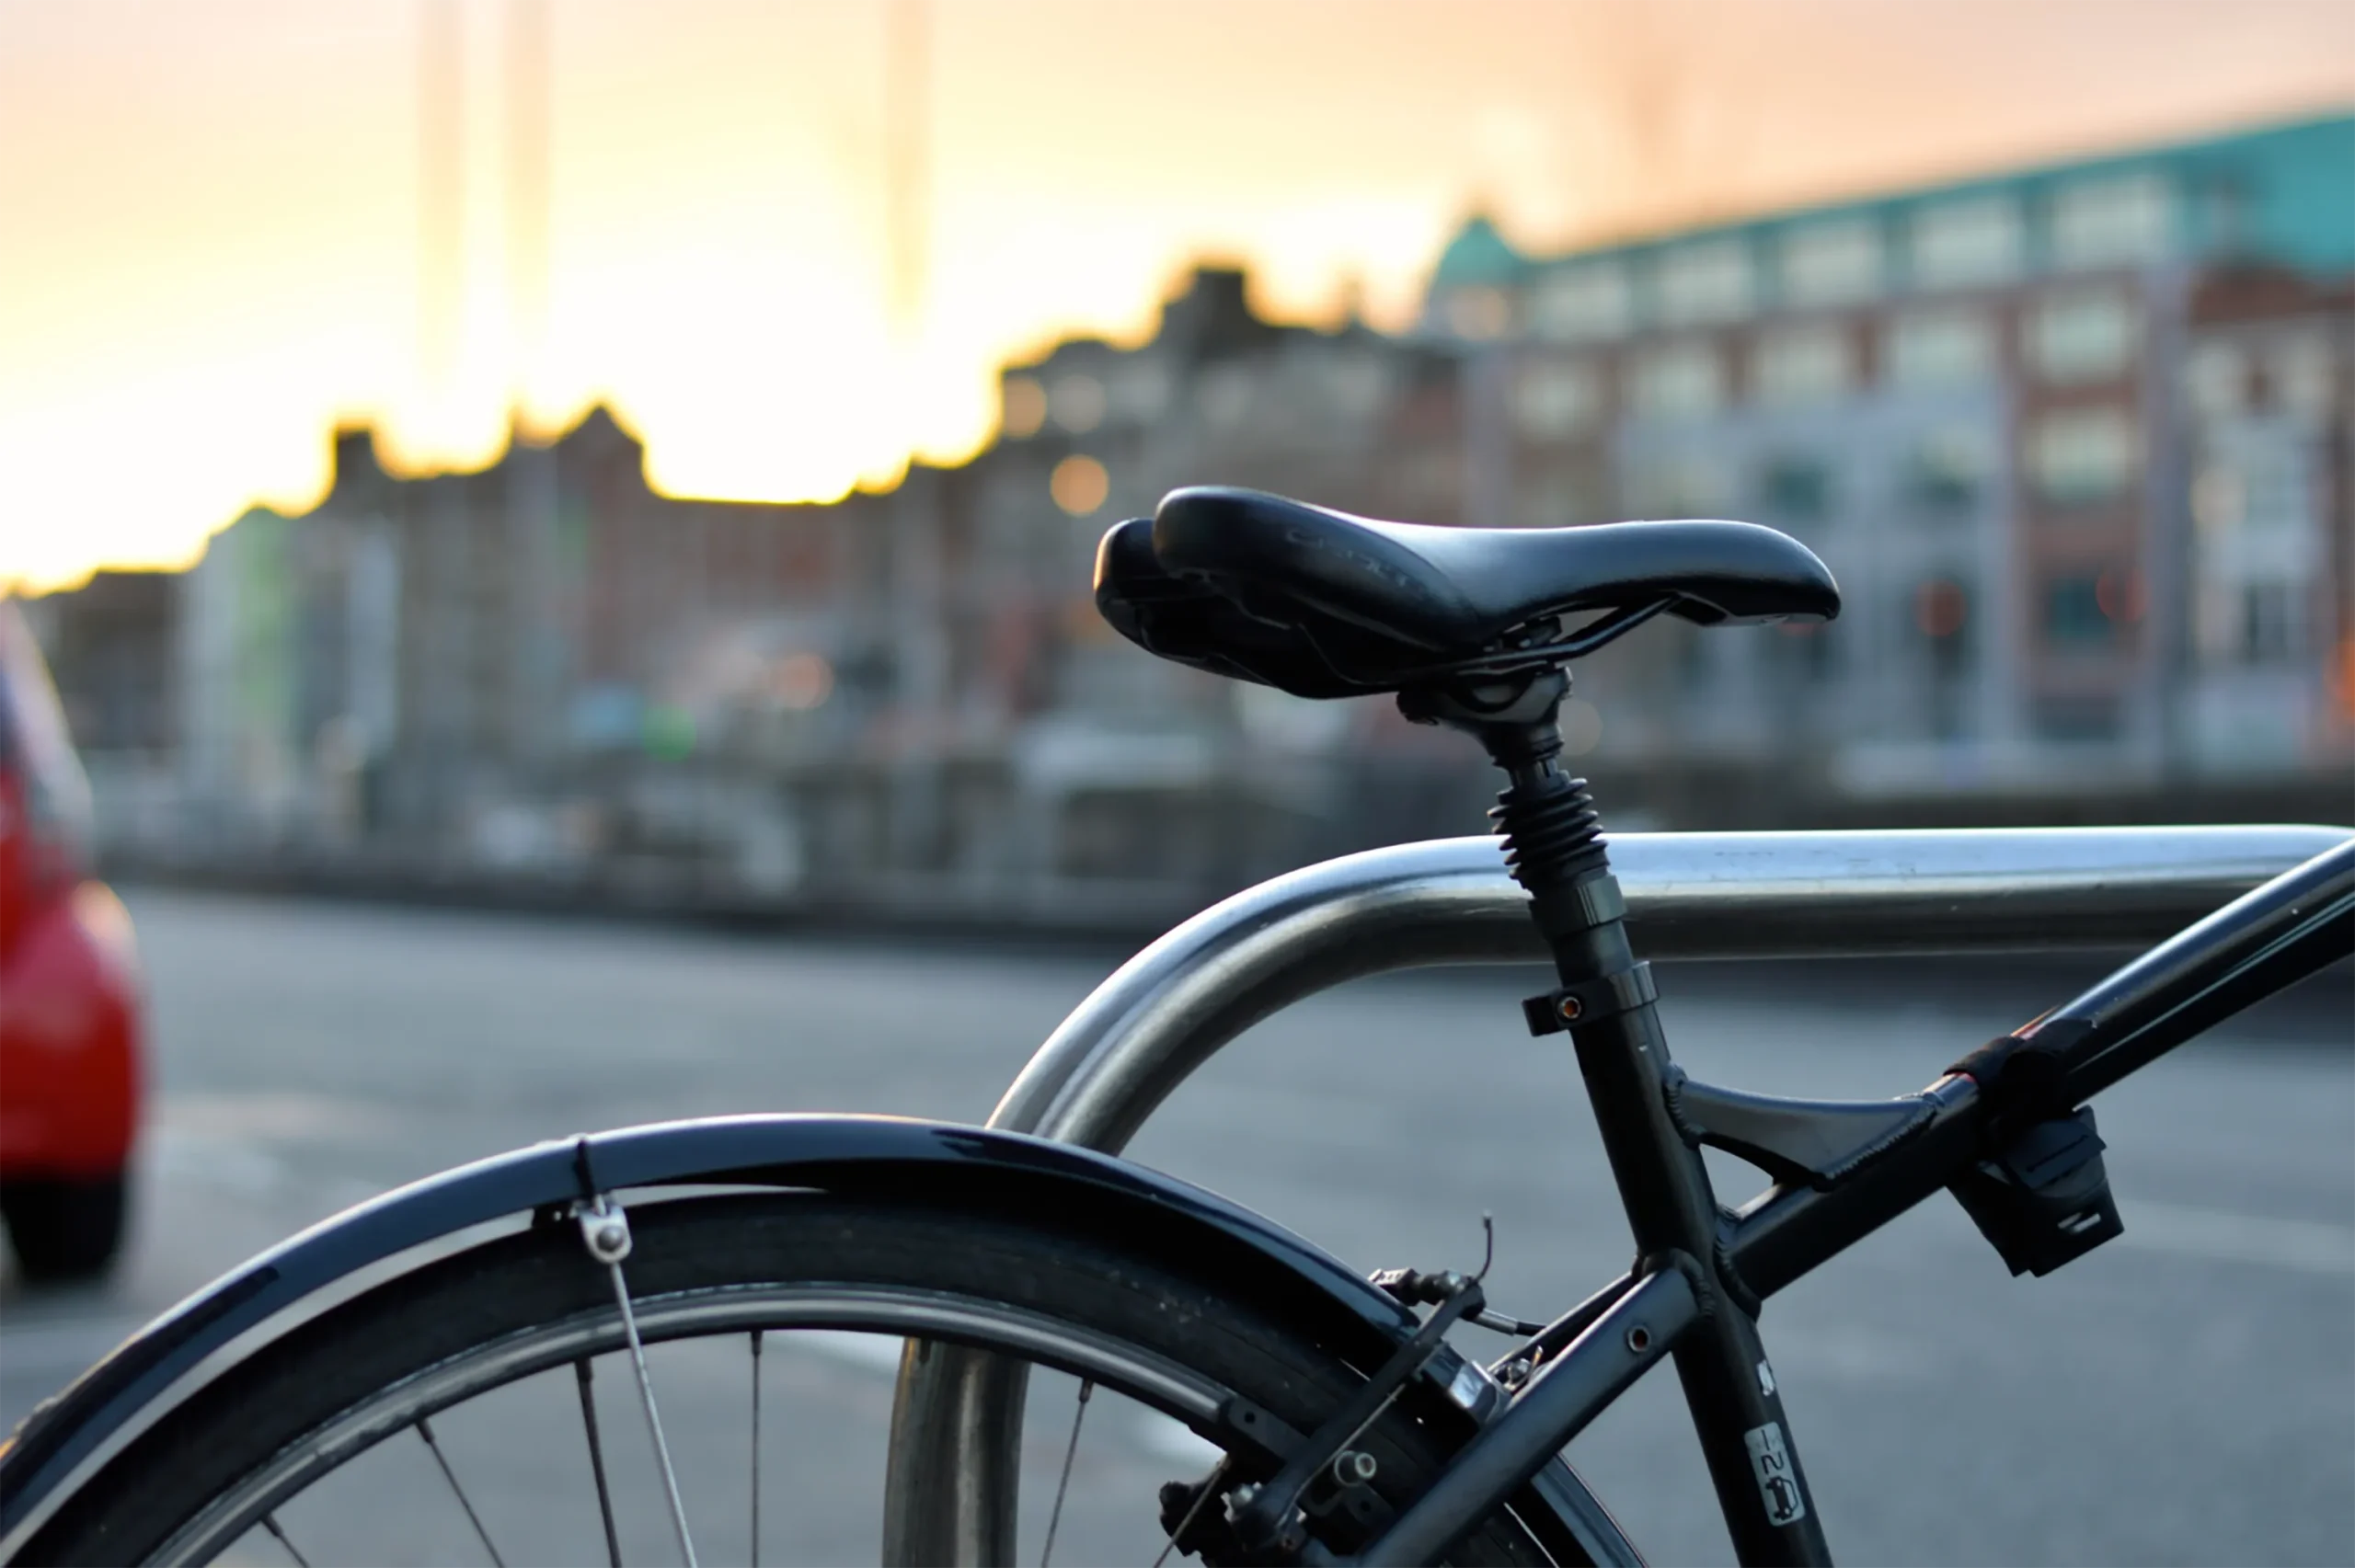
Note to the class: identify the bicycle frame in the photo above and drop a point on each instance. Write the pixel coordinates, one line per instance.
(1168, 1011)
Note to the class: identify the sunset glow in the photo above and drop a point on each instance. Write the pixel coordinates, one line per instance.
(209, 215)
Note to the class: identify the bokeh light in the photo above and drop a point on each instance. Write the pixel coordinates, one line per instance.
(1079, 484)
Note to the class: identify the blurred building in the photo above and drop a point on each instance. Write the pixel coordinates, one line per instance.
(2270, 447)
(2073, 438)
(470, 667)
(2077, 440)
(1143, 763)
(108, 649)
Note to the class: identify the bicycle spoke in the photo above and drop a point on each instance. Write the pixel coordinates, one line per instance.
(597, 1462)
(1071, 1451)
(425, 1430)
(270, 1523)
(756, 1449)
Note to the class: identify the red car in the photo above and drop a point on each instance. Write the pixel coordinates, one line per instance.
(70, 1036)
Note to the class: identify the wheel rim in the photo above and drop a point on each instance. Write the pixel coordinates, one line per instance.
(904, 1312)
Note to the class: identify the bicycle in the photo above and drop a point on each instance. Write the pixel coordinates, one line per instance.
(1341, 1421)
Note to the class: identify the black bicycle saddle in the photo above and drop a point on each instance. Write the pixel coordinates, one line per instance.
(1322, 604)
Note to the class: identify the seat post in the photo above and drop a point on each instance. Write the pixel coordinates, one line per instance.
(1554, 848)
(1552, 831)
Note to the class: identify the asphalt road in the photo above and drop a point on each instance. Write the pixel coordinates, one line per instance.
(2187, 1394)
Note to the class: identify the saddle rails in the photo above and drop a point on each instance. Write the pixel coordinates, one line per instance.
(1790, 894)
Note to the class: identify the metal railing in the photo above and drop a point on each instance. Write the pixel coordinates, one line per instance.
(1172, 1007)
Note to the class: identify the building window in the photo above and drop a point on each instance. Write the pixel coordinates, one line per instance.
(1480, 313)
(2298, 375)
(2218, 500)
(1943, 348)
(1795, 488)
(2083, 334)
(1941, 608)
(2121, 218)
(1967, 240)
(1558, 498)
(2073, 617)
(1833, 262)
(2080, 456)
(1023, 403)
(1076, 402)
(1941, 615)
(1357, 385)
(1803, 647)
(1142, 392)
(2270, 622)
(2076, 718)
(2256, 495)
(1224, 396)
(1947, 471)
(1681, 485)
(1553, 397)
(1679, 381)
(2216, 379)
(2257, 622)
(1704, 280)
(1582, 303)
(1803, 364)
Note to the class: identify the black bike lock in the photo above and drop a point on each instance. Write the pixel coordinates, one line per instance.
(2043, 1200)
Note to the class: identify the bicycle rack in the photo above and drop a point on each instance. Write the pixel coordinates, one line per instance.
(1173, 1006)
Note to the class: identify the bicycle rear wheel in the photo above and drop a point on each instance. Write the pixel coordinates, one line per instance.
(495, 1387)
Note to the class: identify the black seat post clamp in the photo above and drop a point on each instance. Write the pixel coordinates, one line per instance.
(1603, 997)
(1591, 901)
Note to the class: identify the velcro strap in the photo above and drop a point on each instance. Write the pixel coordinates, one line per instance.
(1590, 999)
(2024, 1075)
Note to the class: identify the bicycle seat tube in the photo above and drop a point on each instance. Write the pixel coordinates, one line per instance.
(1554, 848)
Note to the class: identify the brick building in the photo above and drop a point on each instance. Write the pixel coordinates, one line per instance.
(108, 645)
(2268, 391)
(419, 660)
(1982, 402)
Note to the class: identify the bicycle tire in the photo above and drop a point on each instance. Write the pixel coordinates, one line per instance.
(462, 1326)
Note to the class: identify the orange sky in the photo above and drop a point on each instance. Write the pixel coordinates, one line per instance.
(209, 212)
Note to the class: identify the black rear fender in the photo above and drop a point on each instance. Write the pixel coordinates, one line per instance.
(1156, 1217)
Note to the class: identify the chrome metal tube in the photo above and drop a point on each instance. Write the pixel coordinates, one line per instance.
(1171, 1008)
(1168, 1010)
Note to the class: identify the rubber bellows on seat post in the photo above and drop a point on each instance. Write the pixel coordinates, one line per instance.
(1551, 829)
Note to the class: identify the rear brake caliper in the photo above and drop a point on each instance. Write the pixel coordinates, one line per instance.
(1322, 1480)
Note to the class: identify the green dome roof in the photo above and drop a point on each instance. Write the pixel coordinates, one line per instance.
(1478, 254)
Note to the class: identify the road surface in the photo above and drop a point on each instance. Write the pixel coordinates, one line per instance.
(2186, 1395)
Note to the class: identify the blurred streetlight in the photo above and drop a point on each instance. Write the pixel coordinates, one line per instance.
(907, 93)
(440, 189)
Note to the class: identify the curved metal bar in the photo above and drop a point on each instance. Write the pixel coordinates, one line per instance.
(1168, 1010)
(1171, 1008)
